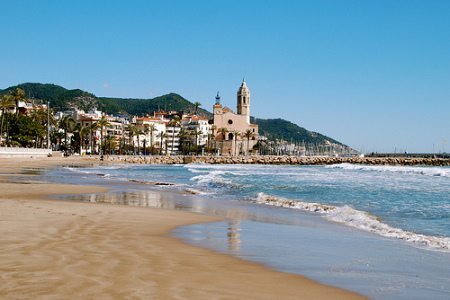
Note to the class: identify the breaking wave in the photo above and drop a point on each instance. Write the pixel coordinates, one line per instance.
(214, 179)
(428, 171)
(357, 219)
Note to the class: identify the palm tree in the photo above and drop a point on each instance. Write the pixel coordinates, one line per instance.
(161, 135)
(138, 132)
(248, 134)
(67, 123)
(18, 95)
(131, 133)
(235, 135)
(6, 103)
(174, 123)
(196, 133)
(92, 128)
(151, 128)
(211, 136)
(110, 143)
(197, 105)
(39, 118)
(82, 132)
(102, 123)
(223, 131)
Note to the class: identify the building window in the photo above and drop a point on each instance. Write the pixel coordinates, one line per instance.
(230, 122)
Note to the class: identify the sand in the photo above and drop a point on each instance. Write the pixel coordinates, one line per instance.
(52, 249)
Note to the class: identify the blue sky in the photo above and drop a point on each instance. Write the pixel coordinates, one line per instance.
(372, 74)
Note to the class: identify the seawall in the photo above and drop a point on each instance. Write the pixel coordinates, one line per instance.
(281, 160)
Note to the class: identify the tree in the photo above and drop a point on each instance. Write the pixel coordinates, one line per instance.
(131, 133)
(223, 131)
(67, 123)
(82, 132)
(248, 134)
(235, 135)
(213, 134)
(23, 131)
(138, 132)
(18, 95)
(196, 133)
(197, 105)
(110, 142)
(92, 128)
(151, 129)
(174, 123)
(6, 103)
(41, 118)
(162, 136)
(102, 124)
(184, 145)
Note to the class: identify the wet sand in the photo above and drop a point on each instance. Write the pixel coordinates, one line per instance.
(53, 249)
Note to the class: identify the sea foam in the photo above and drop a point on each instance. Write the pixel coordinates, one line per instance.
(428, 171)
(357, 219)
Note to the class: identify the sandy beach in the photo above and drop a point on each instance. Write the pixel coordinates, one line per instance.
(53, 249)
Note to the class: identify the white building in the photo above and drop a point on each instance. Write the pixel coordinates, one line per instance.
(198, 127)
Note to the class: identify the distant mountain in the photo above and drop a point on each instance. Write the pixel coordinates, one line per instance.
(62, 98)
(288, 131)
(167, 102)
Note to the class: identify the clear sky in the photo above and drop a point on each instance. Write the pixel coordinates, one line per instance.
(372, 74)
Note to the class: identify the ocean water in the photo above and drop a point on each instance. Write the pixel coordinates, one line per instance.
(383, 231)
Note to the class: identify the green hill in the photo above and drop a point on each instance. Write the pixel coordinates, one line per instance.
(62, 98)
(167, 102)
(288, 131)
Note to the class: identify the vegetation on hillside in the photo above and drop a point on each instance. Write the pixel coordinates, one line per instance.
(281, 129)
(138, 107)
(62, 98)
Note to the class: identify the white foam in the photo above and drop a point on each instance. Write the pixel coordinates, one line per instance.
(213, 177)
(428, 171)
(357, 219)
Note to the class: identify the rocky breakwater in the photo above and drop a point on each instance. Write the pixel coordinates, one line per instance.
(281, 160)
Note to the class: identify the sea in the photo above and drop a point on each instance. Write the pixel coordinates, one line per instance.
(382, 231)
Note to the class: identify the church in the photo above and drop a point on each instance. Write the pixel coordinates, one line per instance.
(233, 132)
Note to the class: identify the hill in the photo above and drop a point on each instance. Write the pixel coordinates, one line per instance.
(167, 102)
(62, 98)
(288, 131)
(59, 97)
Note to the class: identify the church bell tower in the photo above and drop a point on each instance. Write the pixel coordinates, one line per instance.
(243, 101)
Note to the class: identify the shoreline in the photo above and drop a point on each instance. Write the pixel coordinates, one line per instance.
(55, 248)
(281, 160)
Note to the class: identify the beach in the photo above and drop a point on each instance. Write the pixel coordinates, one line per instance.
(53, 249)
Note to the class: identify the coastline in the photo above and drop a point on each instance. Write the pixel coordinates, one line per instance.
(54, 248)
(282, 160)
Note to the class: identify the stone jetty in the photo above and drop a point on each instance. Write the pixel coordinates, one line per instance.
(281, 160)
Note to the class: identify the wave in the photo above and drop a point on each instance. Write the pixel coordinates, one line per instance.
(357, 219)
(211, 178)
(429, 171)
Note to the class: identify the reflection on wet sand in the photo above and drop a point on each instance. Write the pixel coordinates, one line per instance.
(233, 234)
(180, 200)
(132, 198)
